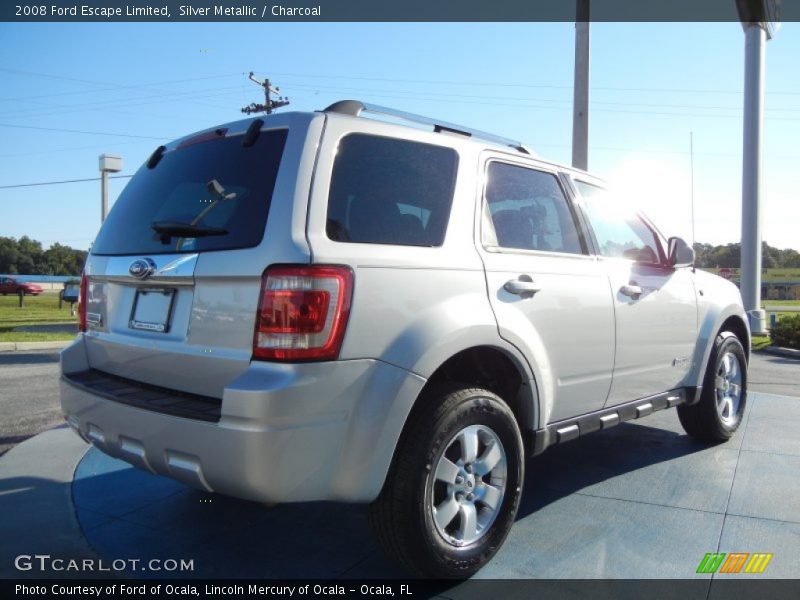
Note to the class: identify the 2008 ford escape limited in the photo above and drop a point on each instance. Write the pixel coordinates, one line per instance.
(394, 311)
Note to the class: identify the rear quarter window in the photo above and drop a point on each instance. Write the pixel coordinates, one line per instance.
(390, 191)
(178, 191)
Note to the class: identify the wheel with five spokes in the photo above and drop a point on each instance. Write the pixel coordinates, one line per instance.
(719, 412)
(454, 486)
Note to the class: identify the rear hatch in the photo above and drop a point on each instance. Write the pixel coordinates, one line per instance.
(173, 278)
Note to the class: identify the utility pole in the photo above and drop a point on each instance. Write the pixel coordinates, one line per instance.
(580, 101)
(269, 104)
(758, 19)
(108, 164)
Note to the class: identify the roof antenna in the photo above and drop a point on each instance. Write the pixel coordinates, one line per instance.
(269, 104)
(691, 182)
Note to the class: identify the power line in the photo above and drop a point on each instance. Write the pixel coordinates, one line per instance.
(22, 185)
(70, 149)
(567, 104)
(114, 86)
(127, 135)
(132, 101)
(110, 86)
(425, 97)
(525, 85)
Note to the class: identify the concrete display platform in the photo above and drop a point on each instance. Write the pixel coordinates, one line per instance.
(639, 501)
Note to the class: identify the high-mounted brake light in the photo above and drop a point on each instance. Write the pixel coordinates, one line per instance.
(82, 304)
(302, 313)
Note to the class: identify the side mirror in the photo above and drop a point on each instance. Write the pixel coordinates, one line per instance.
(681, 254)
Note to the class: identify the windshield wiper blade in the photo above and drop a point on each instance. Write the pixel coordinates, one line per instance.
(171, 229)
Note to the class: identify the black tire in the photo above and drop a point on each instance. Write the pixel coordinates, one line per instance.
(402, 517)
(705, 421)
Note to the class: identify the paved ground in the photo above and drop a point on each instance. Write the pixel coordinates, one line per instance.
(29, 384)
(639, 501)
(775, 375)
(28, 397)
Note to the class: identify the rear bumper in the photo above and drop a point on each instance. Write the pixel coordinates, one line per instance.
(286, 433)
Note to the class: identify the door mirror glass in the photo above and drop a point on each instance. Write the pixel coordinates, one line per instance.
(681, 254)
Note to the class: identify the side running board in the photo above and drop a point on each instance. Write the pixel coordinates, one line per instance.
(572, 428)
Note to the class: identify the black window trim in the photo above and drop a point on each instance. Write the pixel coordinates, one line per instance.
(568, 198)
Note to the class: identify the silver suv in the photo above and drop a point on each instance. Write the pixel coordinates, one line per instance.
(393, 311)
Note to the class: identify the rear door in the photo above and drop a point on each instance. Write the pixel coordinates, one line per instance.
(655, 305)
(174, 275)
(550, 297)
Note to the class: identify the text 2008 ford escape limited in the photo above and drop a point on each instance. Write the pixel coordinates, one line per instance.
(393, 311)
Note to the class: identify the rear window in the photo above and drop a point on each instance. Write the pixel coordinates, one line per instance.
(210, 195)
(390, 191)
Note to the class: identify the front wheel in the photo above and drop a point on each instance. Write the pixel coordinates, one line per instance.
(454, 486)
(718, 414)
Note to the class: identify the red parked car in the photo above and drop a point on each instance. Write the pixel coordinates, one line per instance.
(9, 285)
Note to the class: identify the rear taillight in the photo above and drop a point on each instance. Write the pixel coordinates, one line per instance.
(302, 314)
(82, 304)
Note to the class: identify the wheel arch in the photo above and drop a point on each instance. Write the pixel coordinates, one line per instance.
(494, 369)
(737, 326)
(730, 319)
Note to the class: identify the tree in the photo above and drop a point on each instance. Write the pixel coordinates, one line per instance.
(9, 255)
(58, 260)
(31, 256)
(791, 259)
(26, 257)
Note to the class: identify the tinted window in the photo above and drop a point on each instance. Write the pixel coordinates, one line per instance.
(177, 191)
(390, 191)
(529, 211)
(619, 231)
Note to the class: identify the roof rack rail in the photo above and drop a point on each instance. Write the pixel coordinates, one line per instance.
(356, 107)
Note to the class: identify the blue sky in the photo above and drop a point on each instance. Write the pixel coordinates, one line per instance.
(651, 84)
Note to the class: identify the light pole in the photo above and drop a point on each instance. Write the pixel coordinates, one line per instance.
(108, 164)
(759, 20)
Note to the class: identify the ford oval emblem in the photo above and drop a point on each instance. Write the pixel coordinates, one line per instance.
(142, 268)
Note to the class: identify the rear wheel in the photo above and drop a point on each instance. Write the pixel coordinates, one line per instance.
(454, 486)
(719, 412)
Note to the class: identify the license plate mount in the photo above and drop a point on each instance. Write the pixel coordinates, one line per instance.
(152, 310)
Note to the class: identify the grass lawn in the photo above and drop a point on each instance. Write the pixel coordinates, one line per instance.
(761, 341)
(38, 310)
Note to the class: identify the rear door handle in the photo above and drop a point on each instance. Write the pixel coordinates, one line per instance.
(633, 291)
(524, 288)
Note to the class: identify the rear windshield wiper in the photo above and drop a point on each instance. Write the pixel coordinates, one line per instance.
(170, 229)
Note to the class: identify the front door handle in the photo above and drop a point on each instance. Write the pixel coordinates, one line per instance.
(524, 288)
(631, 290)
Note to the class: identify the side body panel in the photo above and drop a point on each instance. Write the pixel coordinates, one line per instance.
(656, 331)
